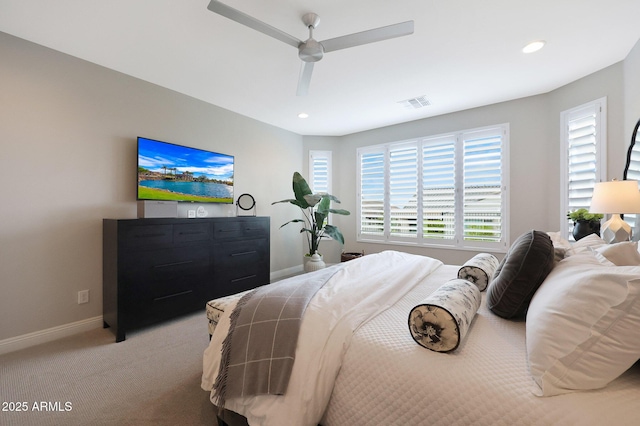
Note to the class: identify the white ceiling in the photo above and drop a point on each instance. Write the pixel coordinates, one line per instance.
(463, 54)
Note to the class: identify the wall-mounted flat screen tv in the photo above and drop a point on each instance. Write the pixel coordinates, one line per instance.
(170, 172)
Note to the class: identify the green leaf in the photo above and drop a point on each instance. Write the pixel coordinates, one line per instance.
(331, 197)
(312, 199)
(288, 200)
(323, 207)
(300, 189)
(291, 201)
(334, 233)
(292, 221)
(320, 218)
(340, 211)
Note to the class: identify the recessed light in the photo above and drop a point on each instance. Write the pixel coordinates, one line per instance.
(534, 46)
(303, 115)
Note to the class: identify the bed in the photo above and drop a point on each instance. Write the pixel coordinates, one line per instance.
(358, 363)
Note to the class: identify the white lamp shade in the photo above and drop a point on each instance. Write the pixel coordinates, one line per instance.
(618, 196)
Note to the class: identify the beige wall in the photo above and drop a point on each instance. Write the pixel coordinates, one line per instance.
(68, 159)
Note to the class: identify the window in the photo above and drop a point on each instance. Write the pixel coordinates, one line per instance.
(320, 171)
(445, 191)
(320, 174)
(583, 157)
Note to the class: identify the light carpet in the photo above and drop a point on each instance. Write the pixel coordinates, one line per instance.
(151, 378)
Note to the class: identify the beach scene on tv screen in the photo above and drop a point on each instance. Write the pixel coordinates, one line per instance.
(178, 173)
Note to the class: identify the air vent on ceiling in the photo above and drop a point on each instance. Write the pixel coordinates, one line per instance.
(415, 103)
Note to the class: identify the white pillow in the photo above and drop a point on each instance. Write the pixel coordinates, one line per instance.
(586, 244)
(621, 254)
(583, 323)
(561, 246)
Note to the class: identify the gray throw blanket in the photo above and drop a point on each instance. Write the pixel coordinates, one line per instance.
(259, 350)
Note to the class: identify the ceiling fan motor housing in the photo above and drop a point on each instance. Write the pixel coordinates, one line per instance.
(310, 51)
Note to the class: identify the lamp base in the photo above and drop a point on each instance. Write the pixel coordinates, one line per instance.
(616, 230)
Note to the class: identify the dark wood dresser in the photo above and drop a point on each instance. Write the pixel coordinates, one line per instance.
(156, 269)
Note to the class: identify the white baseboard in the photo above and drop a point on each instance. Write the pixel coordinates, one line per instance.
(284, 273)
(37, 337)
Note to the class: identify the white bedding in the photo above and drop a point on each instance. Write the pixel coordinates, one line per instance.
(366, 287)
(381, 376)
(486, 381)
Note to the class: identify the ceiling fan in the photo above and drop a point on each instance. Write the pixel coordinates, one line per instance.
(311, 51)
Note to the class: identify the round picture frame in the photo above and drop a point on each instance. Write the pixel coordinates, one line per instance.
(246, 202)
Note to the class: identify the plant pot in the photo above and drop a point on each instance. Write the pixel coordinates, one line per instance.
(582, 228)
(313, 263)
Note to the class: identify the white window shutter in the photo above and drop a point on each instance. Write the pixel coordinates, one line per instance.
(482, 208)
(372, 193)
(438, 188)
(320, 169)
(403, 191)
(583, 157)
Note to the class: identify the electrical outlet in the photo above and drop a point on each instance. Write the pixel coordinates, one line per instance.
(83, 296)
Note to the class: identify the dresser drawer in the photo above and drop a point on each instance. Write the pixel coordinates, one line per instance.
(255, 229)
(159, 273)
(231, 282)
(188, 232)
(227, 229)
(146, 235)
(241, 228)
(151, 311)
(235, 254)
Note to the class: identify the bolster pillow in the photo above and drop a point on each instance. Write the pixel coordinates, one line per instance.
(479, 269)
(441, 320)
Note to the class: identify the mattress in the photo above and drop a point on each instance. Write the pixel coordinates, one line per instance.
(386, 378)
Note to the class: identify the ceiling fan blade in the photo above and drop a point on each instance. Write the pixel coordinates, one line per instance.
(305, 78)
(369, 36)
(251, 22)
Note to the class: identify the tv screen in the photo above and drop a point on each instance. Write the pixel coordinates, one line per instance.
(170, 172)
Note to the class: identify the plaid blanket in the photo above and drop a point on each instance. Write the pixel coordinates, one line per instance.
(259, 350)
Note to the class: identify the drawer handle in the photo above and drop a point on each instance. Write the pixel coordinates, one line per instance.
(182, 293)
(158, 234)
(243, 253)
(248, 277)
(168, 265)
(190, 232)
(227, 230)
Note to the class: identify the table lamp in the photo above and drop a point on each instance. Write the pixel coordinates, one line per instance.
(616, 197)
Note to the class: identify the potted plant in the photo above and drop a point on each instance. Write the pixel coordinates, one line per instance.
(315, 210)
(584, 223)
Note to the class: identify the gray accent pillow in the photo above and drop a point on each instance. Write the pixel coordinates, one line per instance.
(527, 263)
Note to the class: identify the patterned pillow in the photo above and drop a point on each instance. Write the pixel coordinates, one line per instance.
(441, 321)
(526, 265)
(479, 269)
